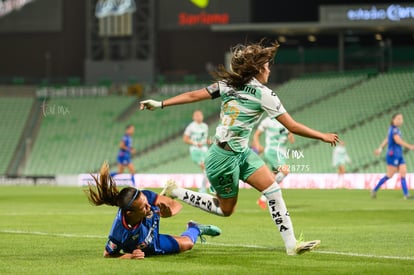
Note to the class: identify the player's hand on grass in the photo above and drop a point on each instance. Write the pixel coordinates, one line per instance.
(150, 104)
(330, 138)
(137, 254)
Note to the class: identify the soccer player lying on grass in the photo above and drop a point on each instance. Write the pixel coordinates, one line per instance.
(135, 230)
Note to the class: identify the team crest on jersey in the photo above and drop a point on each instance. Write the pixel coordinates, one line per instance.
(112, 245)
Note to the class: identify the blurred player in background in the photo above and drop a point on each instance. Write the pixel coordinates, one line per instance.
(340, 158)
(244, 99)
(125, 152)
(394, 156)
(275, 149)
(135, 230)
(196, 135)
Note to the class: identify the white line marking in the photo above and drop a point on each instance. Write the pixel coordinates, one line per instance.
(364, 255)
(66, 235)
(321, 252)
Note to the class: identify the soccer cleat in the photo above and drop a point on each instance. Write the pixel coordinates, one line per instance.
(262, 204)
(208, 230)
(302, 246)
(408, 197)
(169, 188)
(373, 194)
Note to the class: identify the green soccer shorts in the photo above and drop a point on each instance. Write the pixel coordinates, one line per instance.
(225, 168)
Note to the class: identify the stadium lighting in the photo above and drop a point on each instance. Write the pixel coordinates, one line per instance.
(281, 39)
(312, 38)
(378, 37)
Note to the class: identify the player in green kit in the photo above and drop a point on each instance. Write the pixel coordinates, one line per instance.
(244, 98)
(196, 135)
(275, 151)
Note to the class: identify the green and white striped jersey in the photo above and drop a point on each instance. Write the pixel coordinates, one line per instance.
(241, 110)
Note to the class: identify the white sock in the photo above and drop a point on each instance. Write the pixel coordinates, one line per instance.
(279, 177)
(203, 201)
(203, 183)
(280, 214)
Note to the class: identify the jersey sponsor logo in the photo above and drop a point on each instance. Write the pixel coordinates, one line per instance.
(250, 90)
(277, 217)
(234, 95)
(200, 3)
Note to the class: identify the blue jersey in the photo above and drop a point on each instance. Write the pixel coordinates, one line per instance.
(394, 149)
(394, 155)
(124, 155)
(144, 236)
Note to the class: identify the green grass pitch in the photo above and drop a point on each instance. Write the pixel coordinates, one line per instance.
(54, 230)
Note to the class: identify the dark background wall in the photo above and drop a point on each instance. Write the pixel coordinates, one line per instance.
(41, 54)
(61, 54)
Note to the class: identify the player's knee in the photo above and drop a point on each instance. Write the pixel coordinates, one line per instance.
(187, 245)
(227, 212)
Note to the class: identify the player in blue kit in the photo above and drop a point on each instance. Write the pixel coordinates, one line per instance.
(124, 154)
(135, 230)
(394, 158)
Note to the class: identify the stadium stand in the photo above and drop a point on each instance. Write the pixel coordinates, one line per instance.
(88, 133)
(302, 92)
(357, 105)
(369, 98)
(13, 113)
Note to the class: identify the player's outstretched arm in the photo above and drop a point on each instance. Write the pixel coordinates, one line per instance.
(137, 254)
(302, 130)
(184, 98)
(168, 207)
(378, 151)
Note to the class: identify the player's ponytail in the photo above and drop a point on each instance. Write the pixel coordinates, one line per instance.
(104, 191)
